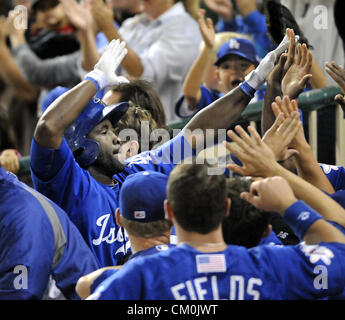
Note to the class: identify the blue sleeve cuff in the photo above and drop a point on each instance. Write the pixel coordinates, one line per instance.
(300, 217)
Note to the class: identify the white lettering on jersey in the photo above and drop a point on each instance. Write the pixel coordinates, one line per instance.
(102, 222)
(238, 287)
(327, 168)
(316, 253)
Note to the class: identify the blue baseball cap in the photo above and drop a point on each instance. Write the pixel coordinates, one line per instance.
(240, 47)
(142, 196)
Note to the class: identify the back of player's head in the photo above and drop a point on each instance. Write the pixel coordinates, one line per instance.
(135, 119)
(143, 94)
(141, 203)
(197, 199)
(245, 224)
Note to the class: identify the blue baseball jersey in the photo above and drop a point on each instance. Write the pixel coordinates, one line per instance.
(37, 242)
(335, 175)
(90, 204)
(109, 272)
(271, 240)
(237, 273)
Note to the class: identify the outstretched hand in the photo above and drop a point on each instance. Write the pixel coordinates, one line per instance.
(206, 28)
(224, 8)
(256, 156)
(104, 70)
(297, 74)
(280, 135)
(337, 73)
(79, 14)
(289, 107)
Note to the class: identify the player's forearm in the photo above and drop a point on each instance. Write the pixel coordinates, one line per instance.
(13, 76)
(220, 114)
(89, 49)
(62, 113)
(309, 169)
(318, 80)
(313, 196)
(322, 231)
(195, 76)
(267, 116)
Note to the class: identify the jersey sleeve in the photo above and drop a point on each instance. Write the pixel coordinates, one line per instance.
(57, 175)
(164, 158)
(335, 175)
(124, 284)
(306, 271)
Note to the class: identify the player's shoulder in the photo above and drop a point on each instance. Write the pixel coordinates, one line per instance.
(328, 169)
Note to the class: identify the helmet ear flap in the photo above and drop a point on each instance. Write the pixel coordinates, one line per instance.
(87, 152)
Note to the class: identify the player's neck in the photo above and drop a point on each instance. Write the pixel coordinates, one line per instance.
(210, 242)
(141, 243)
(101, 177)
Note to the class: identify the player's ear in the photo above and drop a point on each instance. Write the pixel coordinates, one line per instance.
(218, 75)
(133, 148)
(168, 211)
(267, 231)
(227, 206)
(118, 217)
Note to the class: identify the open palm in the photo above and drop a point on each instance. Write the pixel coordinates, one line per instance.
(298, 74)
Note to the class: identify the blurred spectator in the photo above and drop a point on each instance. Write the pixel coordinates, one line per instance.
(234, 60)
(162, 44)
(339, 9)
(124, 9)
(51, 34)
(316, 20)
(242, 16)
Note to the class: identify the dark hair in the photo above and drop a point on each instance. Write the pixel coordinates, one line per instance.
(197, 198)
(42, 5)
(133, 119)
(245, 224)
(143, 94)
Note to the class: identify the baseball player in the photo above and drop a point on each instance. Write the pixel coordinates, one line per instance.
(74, 149)
(38, 245)
(141, 213)
(211, 270)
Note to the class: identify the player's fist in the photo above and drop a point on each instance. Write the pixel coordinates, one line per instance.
(9, 161)
(270, 194)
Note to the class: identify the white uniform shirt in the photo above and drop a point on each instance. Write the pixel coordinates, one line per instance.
(167, 47)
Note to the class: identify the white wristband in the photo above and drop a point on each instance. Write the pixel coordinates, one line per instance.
(99, 77)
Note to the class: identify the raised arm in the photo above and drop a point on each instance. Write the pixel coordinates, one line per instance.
(104, 18)
(81, 17)
(66, 109)
(259, 160)
(195, 76)
(275, 195)
(307, 166)
(10, 71)
(222, 113)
